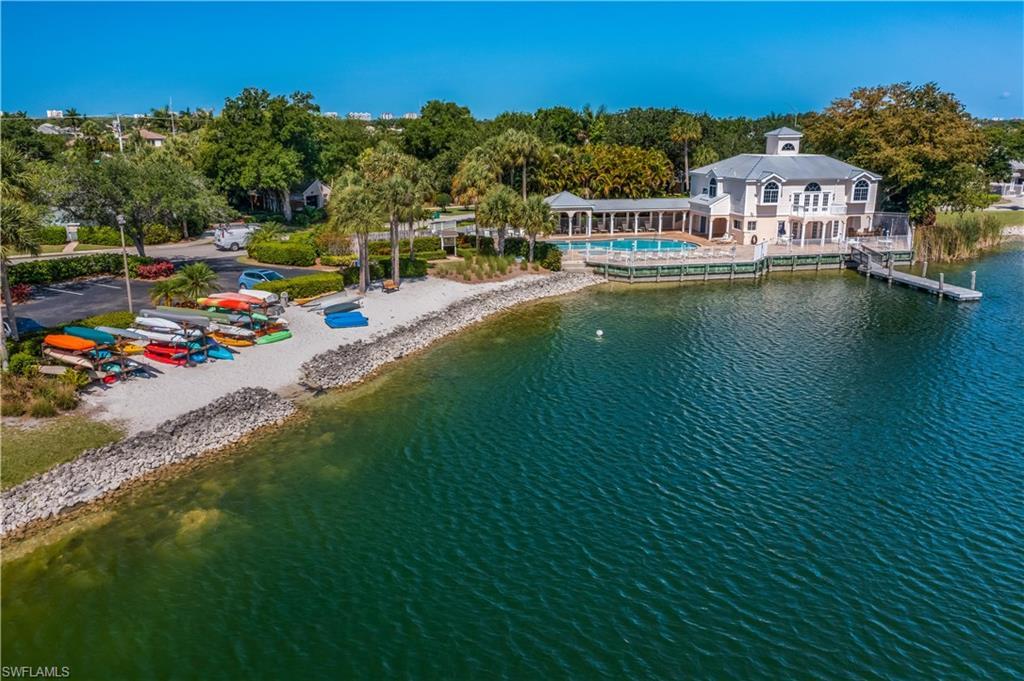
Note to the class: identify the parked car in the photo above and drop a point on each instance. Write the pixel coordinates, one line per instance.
(233, 237)
(249, 278)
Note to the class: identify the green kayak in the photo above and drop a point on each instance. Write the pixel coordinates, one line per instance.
(97, 337)
(274, 337)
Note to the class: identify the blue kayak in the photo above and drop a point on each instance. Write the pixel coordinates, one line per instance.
(345, 320)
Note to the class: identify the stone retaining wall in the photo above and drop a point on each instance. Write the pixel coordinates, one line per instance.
(98, 471)
(353, 362)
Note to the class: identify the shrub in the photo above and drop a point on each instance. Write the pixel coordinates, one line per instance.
(338, 260)
(296, 254)
(65, 395)
(421, 243)
(22, 363)
(431, 255)
(305, 286)
(111, 236)
(486, 243)
(118, 320)
(552, 260)
(156, 270)
(41, 407)
(52, 235)
(20, 293)
(12, 407)
(50, 270)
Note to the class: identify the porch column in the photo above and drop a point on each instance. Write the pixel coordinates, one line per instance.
(803, 232)
(823, 232)
(689, 223)
(659, 221)
(636, 222)
(612, 226)
(570, 214)
(590, 218)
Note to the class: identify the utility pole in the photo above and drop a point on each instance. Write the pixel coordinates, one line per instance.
(120, 135)
(124, 256)
(170, 109)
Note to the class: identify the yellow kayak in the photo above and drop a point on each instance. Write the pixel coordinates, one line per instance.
(228, 340)
(132, 349)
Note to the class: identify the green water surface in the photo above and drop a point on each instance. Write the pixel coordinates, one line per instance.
(814, 476)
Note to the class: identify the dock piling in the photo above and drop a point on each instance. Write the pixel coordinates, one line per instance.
(924, 269)
(974, 279)
(942, 283)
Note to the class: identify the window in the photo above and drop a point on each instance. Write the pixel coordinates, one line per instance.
(813, 187)
(737, 225)
(860, 190)
(751, 225)
(712, 188)
(771, 193)
(703, 223)
(782, 228)
(788, 146)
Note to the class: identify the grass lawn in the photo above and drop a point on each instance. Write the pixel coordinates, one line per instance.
(96, 247)
(1006, 218)
(30, 451)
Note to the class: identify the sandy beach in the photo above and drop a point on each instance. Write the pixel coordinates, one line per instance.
(143, 404)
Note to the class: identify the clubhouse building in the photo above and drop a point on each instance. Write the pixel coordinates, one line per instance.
(781, 195)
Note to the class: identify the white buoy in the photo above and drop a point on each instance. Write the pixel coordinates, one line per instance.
(600, 333)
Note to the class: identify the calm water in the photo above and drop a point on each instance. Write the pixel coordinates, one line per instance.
(811, 477)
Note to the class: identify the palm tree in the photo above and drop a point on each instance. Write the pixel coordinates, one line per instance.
(536, 219)
(355, 210)
(519, 149)
(684, 130)
(164, 292)
(19, 218)
(497, 210)
(195, 281)
(387, 172)
(74, 118)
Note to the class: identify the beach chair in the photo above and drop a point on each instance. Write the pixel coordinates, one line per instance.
(390, 286)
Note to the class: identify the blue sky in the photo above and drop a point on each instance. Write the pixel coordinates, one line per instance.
(728, 59)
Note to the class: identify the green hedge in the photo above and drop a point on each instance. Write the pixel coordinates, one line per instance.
(421, 243)
(338, 260)
(52, 270)
(406, 267)
(110, 236)
(53, 235)
(486, 243)
(547, 254)
(306, 285)
(283, 253)
(431, 255)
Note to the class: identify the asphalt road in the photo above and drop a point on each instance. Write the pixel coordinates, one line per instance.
(55, 305)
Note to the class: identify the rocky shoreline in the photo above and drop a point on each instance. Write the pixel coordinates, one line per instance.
(354, 362)
(229, 419)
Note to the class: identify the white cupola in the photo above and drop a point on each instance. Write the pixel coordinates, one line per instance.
(782, 142)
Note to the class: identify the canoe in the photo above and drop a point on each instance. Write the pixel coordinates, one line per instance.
(345, 320)
(68, 358)
(120, 333)
(162, 336)
(339, 307)
(215, 316)
(178, 318)
(229, 330)
(227, 304)
(265, 296)
(318, 302)
(233, 341)
(273, 337)
(65, 342)
(96, 336)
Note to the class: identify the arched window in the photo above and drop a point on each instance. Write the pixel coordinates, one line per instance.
(712, 188)
(813, 187)
(771, 193)
(860, 190)
(788, 146)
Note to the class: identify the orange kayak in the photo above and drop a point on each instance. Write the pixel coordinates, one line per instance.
(68, 342)
(237, 296)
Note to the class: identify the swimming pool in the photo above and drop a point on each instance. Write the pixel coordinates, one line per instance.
(625, 245)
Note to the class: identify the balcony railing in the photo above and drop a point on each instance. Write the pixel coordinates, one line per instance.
(818, 203)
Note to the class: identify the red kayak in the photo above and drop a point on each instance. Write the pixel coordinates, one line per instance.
(226, 304)
(171, 354)
(252, 300)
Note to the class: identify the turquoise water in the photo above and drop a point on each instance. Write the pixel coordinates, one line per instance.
(625, 244)
(810, 477)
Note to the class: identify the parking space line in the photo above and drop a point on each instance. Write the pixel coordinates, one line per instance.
(109, 286)
(60, 290)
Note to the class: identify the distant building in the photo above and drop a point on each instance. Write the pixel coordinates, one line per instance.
(411, 116)
(387, 116)
(330, 114)
(359, 115)
(153, 139)
(54, 113)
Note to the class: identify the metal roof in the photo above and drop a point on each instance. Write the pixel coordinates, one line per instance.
(790, 167)
(568, 200)
(784, 132)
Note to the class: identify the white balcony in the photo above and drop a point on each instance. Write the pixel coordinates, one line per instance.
(815, 203)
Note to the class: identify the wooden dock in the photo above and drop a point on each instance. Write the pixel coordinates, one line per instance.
(873, 263)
